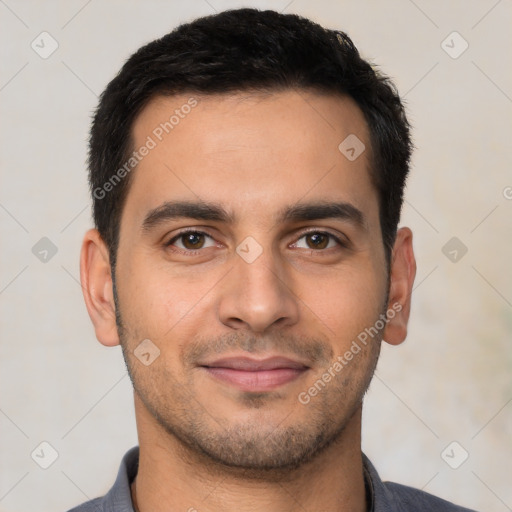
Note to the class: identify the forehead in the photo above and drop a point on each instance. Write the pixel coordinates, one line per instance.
(253, 152)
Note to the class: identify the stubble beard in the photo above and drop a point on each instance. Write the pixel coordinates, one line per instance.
(255, 449)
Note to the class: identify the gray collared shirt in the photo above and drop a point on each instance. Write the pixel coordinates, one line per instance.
(384, 496)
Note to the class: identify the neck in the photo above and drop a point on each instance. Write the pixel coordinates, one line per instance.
(171, 477)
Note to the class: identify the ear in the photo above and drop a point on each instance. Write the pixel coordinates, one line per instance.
(96, 278)
(402, 273)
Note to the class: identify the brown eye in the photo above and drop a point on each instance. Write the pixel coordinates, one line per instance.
(191, 240)
(317, 241)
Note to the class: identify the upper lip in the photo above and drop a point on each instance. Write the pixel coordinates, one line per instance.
(252, 365)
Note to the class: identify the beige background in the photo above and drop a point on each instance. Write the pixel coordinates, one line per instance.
(449, 382)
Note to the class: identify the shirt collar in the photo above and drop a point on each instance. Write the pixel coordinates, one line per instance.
(119, 498)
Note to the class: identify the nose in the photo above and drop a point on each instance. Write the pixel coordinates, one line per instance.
(258, 295)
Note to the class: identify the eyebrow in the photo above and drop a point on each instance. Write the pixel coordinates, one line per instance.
(202, 210)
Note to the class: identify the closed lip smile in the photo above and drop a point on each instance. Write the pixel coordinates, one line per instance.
(255, 375)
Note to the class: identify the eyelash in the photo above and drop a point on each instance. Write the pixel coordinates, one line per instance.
(193, 252)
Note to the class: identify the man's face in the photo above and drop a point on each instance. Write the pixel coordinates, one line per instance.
(257, 284)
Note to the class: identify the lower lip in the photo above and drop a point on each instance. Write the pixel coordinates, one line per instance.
(262, 380)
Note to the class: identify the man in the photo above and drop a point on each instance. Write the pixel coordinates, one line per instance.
(247, 173)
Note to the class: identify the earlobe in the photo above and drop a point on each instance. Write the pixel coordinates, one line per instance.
(402, 274)
(96, 278)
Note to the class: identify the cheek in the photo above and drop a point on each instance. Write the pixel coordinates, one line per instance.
(157, 301)
(347, 303)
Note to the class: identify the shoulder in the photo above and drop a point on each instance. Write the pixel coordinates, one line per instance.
(95, 505)
(417, 500)
(118, 499)
(392, 497)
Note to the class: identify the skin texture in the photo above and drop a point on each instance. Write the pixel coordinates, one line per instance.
(205, 443)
